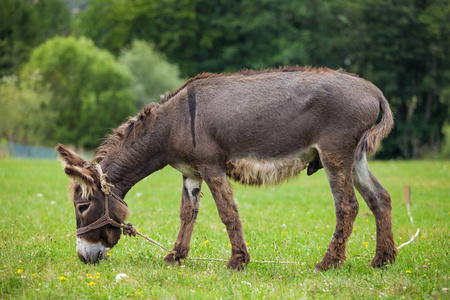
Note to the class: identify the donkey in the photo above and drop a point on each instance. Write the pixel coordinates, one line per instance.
(256, 127)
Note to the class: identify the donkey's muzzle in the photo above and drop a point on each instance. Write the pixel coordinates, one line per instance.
(89, 252)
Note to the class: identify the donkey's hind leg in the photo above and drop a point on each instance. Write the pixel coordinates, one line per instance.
(379, 202)
(339, 172)
(188, 213)
(220, 188)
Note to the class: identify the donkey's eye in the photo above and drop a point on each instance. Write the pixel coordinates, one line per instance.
(83, 207)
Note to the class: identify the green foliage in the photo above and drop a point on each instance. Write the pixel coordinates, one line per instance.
(25, 24)
(445, 150)
(402, 46)
(152, 74)
(90, 90)
(219, 36)
(292, 222)
(25, 115)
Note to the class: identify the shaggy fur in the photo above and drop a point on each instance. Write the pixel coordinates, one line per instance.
(257, 127)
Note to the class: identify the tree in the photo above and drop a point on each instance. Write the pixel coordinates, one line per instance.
(403, 47)
(25, 24)
(90, 90)
(152, 74)
(24, 112)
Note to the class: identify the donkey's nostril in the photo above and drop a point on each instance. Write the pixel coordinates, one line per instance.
(82, 258)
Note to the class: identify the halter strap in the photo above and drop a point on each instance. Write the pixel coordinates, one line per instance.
(105, 219)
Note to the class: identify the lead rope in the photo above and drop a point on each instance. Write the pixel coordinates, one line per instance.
(130, 230)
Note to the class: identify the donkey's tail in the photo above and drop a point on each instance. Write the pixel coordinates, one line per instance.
(371, 138)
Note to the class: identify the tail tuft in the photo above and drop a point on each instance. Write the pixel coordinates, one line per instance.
(370, 141)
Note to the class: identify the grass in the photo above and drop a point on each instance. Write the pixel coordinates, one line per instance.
(292, 222)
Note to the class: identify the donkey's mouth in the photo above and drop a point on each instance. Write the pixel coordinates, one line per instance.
(91, 253)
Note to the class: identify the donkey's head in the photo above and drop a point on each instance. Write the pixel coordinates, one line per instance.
(91, 205)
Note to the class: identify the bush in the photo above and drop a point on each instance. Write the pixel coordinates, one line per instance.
(90, 91)
(152, 74)
(24, 109)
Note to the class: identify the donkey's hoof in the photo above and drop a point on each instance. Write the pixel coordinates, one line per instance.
(239, 262)
(236, 265)
(380, 261)
(320, 267)
(325, 265)
(172, 259)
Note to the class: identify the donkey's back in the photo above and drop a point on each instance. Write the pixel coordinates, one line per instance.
(270, 125)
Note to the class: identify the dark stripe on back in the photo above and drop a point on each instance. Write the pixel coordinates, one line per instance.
(192, 107)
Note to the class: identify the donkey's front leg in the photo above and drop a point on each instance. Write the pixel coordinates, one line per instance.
(190, 202)
(226, 205)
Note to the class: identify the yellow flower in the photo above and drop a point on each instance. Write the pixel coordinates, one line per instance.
(320, 247)
(87, 275)
(91, 283)
(408, 272)
(34, 274)
(45, 218)
(423, 236)
(98, 273)
(19, 271)
(62, 278)
(283, 232)
(139, 230)
(354, 229)
(205, 242)
(108, 254)
(229, 245)
(367, 220)
(366, 244)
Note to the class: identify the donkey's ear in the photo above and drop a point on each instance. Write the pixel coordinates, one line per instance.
(83, 177)
(79, 174)
(68, 157)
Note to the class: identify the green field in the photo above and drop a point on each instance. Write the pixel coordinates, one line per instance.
(292, 222)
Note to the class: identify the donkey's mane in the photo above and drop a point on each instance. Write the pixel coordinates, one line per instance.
(244, 72)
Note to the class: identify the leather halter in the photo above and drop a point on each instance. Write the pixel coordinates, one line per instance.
(105, 219)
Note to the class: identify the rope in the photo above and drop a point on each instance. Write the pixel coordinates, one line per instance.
(130, 230)
(106, 186)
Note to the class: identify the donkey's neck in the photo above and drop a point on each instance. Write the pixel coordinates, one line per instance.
(137, 158)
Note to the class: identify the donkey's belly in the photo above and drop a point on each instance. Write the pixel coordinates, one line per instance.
(270, 171)
(260, 171)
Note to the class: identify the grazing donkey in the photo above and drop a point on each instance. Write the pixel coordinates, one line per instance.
(256, 127)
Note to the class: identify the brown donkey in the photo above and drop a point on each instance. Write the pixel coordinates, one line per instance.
(256, 127)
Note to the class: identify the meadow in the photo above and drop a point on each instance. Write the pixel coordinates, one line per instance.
(292, 222)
